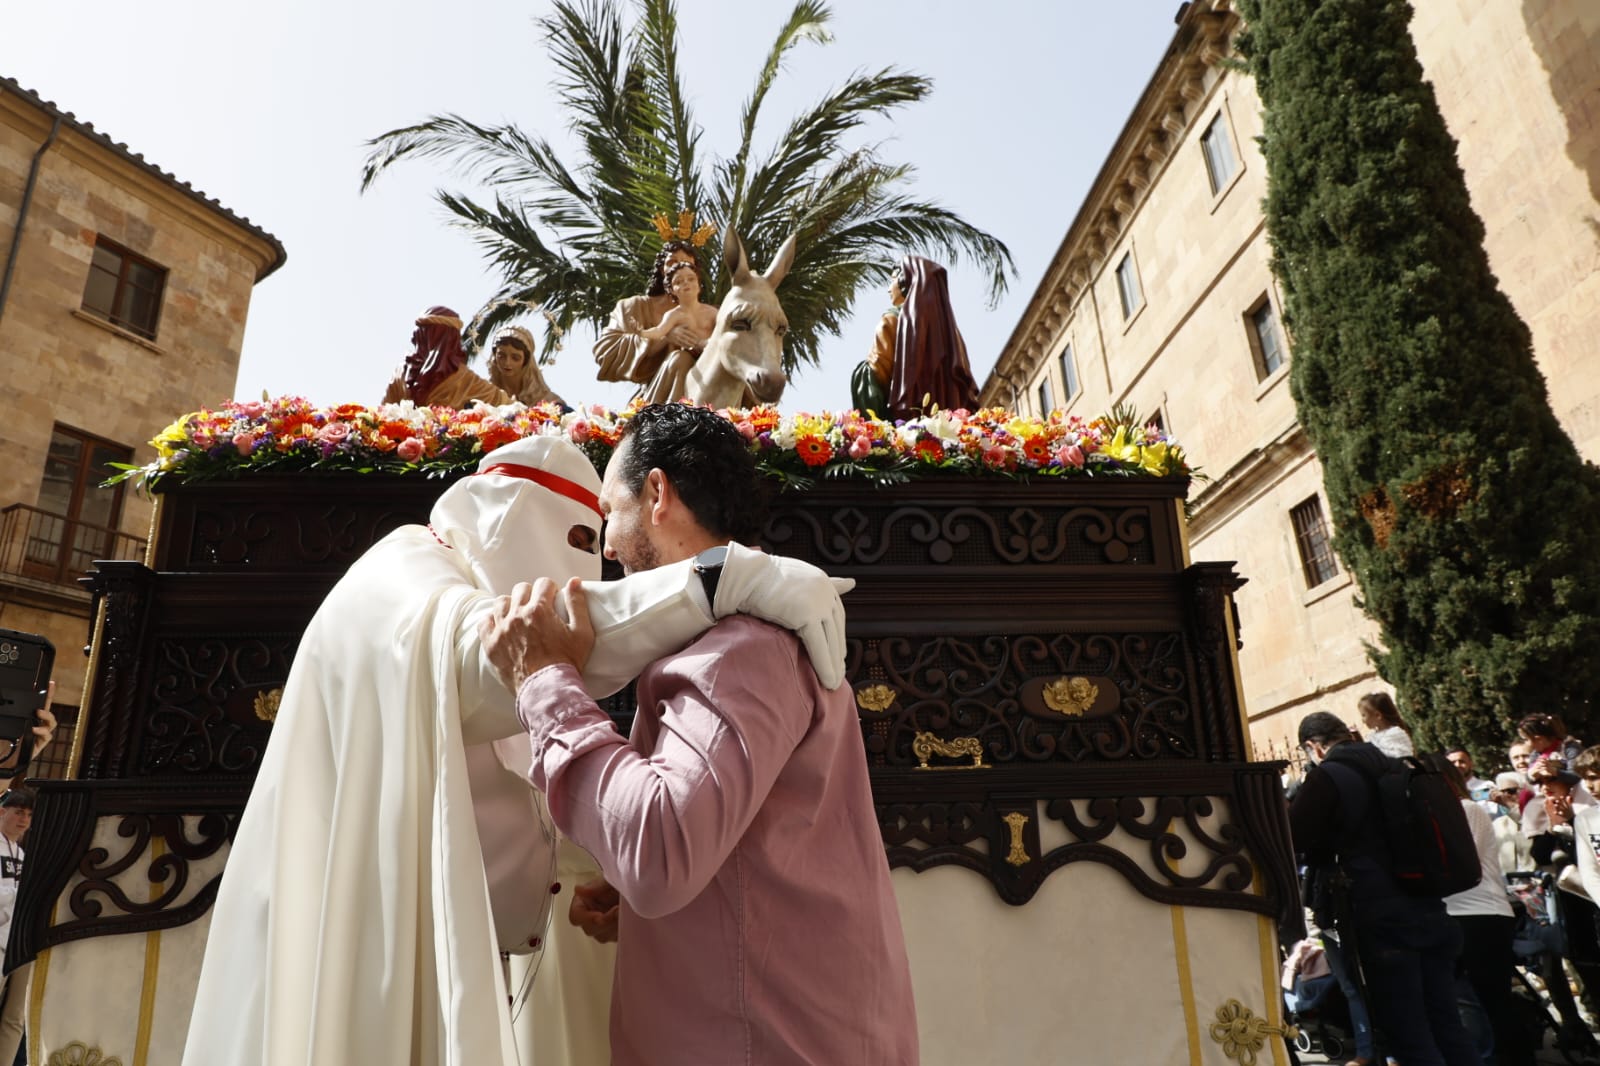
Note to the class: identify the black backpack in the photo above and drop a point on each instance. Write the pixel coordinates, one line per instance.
(1430, 848)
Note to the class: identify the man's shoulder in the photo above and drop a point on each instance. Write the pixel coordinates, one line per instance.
(749, 634)
(735, 648)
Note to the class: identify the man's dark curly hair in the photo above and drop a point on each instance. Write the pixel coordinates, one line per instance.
(658, 275)
(705, 459)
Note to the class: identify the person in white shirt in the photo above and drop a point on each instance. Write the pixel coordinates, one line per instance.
(16, 815)
(1484, 914)
(1384, 728)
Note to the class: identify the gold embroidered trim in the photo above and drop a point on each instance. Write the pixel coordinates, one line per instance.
(78, 1053)
(1243, 1035)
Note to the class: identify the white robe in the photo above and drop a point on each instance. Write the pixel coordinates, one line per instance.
(356, 922)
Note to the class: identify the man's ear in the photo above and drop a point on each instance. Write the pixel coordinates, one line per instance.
(658, 496)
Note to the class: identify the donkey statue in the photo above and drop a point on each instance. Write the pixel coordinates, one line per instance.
(743, 361)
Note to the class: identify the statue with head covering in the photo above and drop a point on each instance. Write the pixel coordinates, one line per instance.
(514, 370)
(436, 372)
(930, 365)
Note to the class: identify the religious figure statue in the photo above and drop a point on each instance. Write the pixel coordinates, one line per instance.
(514, 370)
(634, 345)
(930, 365)
(869, 385)
(436, 373)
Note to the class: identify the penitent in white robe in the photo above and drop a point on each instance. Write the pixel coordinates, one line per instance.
(356, 921)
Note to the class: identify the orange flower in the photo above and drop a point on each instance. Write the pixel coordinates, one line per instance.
(395, 431)
(929, 450)
(813, 451)
(1036, 449)
(497, 433)
(348, 411)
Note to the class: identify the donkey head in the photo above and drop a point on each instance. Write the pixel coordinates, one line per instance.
(745, 351)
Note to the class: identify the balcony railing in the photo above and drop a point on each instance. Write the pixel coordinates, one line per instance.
(55, 549)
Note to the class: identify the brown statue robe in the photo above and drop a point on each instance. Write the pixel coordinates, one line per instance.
(624, 354)
(930, 358)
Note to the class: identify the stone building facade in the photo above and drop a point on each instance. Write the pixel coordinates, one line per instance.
(1161, 296)
(122, 302)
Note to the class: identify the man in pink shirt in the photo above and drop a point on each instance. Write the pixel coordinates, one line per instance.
(756, 923)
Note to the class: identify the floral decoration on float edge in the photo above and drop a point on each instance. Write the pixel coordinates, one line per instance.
(290, 435)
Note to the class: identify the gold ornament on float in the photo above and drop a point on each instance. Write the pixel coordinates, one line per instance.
(876, 698)
(1072, 696)
(925, 746)
(267, 704)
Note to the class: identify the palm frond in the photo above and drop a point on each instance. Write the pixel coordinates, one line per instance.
(657, 48)
(570, 237)
(807, 22)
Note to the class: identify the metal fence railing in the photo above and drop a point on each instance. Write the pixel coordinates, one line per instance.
(56, 549)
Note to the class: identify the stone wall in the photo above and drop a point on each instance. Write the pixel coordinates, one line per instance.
(62, 365)
(1516, 84)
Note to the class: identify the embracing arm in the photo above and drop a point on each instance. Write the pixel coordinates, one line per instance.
(661, 824)
(623, 349)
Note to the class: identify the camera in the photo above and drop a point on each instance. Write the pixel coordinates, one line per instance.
(26, 660)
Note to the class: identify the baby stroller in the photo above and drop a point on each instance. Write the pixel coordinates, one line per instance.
(1316, 1006)
(1541, 943)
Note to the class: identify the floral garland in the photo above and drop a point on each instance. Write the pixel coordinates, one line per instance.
(290, 435)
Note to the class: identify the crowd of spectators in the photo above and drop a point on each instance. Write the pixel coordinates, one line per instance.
(1433, 980)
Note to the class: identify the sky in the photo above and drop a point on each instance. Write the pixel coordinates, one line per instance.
(267, 107)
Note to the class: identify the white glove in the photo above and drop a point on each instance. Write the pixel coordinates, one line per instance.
(791, 594)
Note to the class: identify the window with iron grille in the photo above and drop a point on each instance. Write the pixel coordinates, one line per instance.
(1069, 374)
(1266, 337)
(76, 520)
(1218, 150)
(1047, 399)
(1128, 286)
(124, 288)
(1311, 537)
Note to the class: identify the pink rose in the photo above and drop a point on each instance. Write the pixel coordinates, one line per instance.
(410, 449)
(245, 442)
(334, 432)
(861, 447)
(251, 408)
(994, 455)
(746, 430)
(579, 431)
(1070, 455)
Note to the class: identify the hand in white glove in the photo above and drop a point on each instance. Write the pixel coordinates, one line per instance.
(791, 594)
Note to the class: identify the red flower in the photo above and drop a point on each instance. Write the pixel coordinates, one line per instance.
(813, 451)
(1036, 449)
(929, 450)
(395, 431)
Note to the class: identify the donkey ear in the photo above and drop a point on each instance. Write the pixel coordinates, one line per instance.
(781, 262)
(733, 256)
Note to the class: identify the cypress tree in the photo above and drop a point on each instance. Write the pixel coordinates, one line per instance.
(1460, 506)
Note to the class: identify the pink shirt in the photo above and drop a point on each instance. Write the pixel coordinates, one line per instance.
(757, 924)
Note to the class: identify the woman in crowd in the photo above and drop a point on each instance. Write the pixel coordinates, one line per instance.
(1383, 726)
(1484, 914)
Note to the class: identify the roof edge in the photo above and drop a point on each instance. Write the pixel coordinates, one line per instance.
(279, 254)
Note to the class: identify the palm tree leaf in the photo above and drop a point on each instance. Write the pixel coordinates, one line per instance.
(807, 22)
